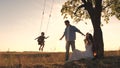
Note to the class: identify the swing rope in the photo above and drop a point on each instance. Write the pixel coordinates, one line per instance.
(50, 15)
(42, 15)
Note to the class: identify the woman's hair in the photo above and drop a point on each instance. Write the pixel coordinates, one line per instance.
(90, 37)
(93, 47)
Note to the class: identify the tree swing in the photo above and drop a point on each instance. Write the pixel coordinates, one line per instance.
(41, 38)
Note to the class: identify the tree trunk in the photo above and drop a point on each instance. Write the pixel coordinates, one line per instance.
(98, 36)
(95, 15)
(98, 42)
(98, 46)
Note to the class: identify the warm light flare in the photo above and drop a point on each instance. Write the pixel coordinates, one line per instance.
(94, 54)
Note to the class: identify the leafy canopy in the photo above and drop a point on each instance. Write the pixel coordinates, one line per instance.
(109, 8)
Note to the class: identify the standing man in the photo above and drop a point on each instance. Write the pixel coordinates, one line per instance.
(70, 36)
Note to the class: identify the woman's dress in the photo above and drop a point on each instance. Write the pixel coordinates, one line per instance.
(77, 54)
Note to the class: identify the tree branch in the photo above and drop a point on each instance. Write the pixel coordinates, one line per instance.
(109, 4)
(87, 5)
(89, 1)
(98, 5)
(79, 8)
(84, 1)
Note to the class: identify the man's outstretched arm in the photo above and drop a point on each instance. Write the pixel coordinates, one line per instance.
(62, 36)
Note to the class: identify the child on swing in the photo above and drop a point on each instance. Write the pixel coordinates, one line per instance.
(41, 41)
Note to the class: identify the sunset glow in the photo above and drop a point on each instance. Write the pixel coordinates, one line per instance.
(20, 24)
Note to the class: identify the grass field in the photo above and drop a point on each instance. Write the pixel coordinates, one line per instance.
(55, 60)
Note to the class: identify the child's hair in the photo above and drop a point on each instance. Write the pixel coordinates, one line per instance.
(42, 33)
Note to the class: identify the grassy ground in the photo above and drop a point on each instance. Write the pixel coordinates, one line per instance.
(55, 60)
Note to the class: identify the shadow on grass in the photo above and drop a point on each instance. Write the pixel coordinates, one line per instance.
(106, 62)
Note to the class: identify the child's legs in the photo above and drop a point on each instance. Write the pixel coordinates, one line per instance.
(42, 46)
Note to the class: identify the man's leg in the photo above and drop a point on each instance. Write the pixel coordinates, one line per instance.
(67, 50)
(72, 45)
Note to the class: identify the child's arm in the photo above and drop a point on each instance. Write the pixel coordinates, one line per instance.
(46, 37)
(36, 38)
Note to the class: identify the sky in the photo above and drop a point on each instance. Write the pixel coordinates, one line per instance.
(21, 21)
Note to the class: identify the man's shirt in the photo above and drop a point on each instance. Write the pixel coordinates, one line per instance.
(70, 33)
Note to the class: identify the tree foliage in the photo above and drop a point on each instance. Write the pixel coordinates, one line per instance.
(76, 10)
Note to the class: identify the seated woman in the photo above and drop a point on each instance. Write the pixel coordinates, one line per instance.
(88, 54)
